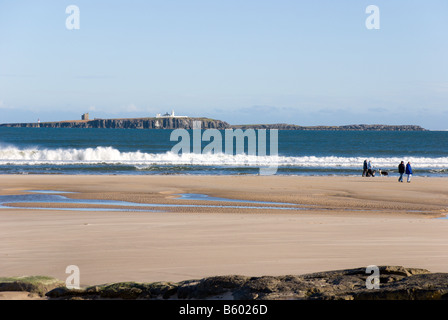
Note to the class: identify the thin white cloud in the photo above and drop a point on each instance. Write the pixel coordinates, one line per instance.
(5, 106)
(440, 87)
(124, 109)
(93, 77)
(132, 108)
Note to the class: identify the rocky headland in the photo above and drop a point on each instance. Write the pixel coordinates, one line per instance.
(131, 123)
(206, 123)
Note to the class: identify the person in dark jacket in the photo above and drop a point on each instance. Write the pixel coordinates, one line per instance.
(364, 169)
(401, 171)
(409, 171)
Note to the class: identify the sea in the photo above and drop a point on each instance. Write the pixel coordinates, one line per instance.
(150, 152)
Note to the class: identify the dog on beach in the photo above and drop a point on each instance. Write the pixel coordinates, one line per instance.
(383, 173)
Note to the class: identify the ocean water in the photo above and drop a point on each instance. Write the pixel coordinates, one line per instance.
(134, 151)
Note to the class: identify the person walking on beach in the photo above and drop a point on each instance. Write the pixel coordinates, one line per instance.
(370, 171)
(409, 171)
(401, 171)
(364, 169)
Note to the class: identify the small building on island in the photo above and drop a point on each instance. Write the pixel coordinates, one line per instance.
(169, 115)
(85, 116)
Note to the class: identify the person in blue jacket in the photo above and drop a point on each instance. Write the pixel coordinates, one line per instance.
(409, 171)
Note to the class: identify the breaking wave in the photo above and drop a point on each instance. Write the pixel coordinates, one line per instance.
(11, 155)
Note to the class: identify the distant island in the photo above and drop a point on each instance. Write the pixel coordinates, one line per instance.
(171, 121)
(350, 127)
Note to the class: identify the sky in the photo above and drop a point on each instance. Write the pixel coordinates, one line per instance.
(240, 61)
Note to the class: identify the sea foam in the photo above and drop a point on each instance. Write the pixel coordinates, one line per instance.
(11, 155)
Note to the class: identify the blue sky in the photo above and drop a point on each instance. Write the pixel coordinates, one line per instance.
(245, 61)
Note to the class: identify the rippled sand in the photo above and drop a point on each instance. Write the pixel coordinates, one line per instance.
(349, 222)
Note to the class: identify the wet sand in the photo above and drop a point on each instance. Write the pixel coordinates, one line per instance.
(349, 222)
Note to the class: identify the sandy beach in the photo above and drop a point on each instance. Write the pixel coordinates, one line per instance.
(338, 223)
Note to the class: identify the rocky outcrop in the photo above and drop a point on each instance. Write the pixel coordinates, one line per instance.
(354, 127)
(382, 127)
(135, 123)
(33, 284)
(396, 283)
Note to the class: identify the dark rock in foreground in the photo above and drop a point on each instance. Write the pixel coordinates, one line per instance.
(396, 283)
(33, 284)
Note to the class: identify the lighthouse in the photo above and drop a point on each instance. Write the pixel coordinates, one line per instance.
(169, 115)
